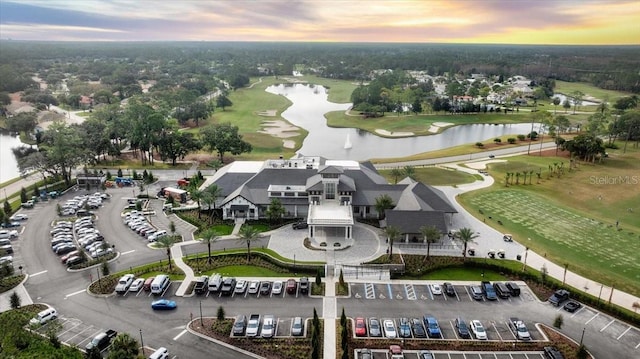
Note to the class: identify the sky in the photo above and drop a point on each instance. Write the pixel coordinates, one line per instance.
(580, 22)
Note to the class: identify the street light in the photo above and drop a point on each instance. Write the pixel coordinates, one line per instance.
(582, 336)
(201, 313)
(141, 342)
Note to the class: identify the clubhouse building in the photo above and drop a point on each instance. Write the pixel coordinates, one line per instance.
(328, 194)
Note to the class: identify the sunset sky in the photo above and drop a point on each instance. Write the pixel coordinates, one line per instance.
(588, 22)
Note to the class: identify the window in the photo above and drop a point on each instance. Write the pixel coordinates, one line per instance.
(330, 191)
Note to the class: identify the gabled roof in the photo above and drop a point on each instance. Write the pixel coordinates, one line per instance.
(420, 197)
(411, 221)
(330, 170)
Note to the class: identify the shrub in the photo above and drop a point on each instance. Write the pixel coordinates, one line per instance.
(558, 321)
(14, 300)
(479, 144)
(511, 140)
(220, 313)
(497, 140)
(521, 137)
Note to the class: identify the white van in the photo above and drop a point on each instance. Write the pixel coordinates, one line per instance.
(215, 281)
(154, 237)
(161, 353)
(44, 316)
(159, 284)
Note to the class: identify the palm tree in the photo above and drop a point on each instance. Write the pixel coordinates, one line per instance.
(466, 236)
(166, 242)
(125, 345)
(409, 171)
(382, 203)
(209, 236)
(396, 173)
(196, 195)
(392, 234)
(211, 194)
(556, 102)
(431, 235)
(248, 234)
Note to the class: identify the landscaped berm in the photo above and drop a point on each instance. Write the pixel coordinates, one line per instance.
(586, 217)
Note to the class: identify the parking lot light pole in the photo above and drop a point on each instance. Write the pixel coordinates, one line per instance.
(201, 314)
(582, 336)
(141, 342)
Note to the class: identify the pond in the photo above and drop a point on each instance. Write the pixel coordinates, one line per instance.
(8, 163)
(309, 104)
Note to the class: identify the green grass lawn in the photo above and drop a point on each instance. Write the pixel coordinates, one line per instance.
(467, 274)
(571, 219)
(436, 176)
(246, 271)
(568, 87)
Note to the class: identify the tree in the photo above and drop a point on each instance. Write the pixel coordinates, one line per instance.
(275, 211)
(196, 195)
(409, 171)
(123, 347)
(166, 242)
(223, 101)
(556, 102)
(23, 195)
(7, 209)
(220, 314)
(93, 353)
(396, 173)
(392, 234)
(224, 138)
(431, 235)
(63, 149)
(566, 105)
(383, 203)
(585, 146)
(14, 300)
(466, 236)
(174, 145)
(209, 236)
(248, 234)
(209, 198)
(576, 98)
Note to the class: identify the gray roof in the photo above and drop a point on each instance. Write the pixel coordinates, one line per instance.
(231, 181)
(420, 197)
(411, 221)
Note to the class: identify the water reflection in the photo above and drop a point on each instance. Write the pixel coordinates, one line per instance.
(8, 162)
(310, 104)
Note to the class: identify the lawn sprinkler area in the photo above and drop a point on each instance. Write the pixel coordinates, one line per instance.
(596, 250)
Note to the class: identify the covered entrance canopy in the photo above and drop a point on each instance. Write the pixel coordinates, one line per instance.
(330, 215)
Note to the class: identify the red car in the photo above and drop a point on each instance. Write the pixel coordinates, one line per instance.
(361, 327)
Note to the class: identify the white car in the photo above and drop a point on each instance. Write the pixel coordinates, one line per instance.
(241, 286)
(436, 289)
(389, 329)
(19, 217)
(277, 288)
(136, 285)
(268, 326)
(124, 283)
(478, 330)
(254, 286)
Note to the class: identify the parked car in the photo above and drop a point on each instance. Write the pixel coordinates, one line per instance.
(136, 285)
(436, 289)
(365, 354)
(292, 286)
(417, 328)
(558, 297)
(478, 330)
(75, 260)
(300, 225)
(124, 283)
(476, 292)
(11, 224)
(254, 287)
(389, 329)
(240, 325)
(404, 329)
(102, 340)
(449, 289)
(19, 217)
(268, 326)
(265, 288)
(297, 326)
(395, 352)
(507, 237)
(228, 285)
(374, 327)
(163, 304)
(304, 285)
(361, 327)
(432, 326)
(277, 288)
(572, 306)
(241, 287)
(147, 284)
(425, 354)
(202, 284)
(461, 327)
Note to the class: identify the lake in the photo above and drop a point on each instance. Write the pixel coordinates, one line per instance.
(310, 104)
(8, 162)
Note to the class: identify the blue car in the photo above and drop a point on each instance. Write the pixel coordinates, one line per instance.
(163, 304)
(433, 329)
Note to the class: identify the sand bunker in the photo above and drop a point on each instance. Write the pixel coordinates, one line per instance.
(281, 129)
(436, 126)
(482, 164)
(267, 113)
(393, 134)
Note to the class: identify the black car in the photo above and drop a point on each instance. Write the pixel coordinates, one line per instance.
(304, 285)
(240, 325)
(417, 328)
(202, 284)
(265, 288)
(572, 306)
(10, 224)
(228, 286)
(448, 289)
(463, 329)
(300, 225)
(558, 297)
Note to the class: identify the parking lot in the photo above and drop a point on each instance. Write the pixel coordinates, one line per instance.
(72, 331)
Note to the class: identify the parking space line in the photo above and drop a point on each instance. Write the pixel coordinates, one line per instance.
(410, 291)
(74, 293)
(456, 292)
(66, 331)
(35, 274)
(430, 294)
(592, 318)
(606, 326)
(455, 332)
(89, 338)
(623, 333)
(493, 324)
(179, 335)
(467, 291)
(637, 346)
(370, 291)
(82, 331)
(390, 293)
(577, 311)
